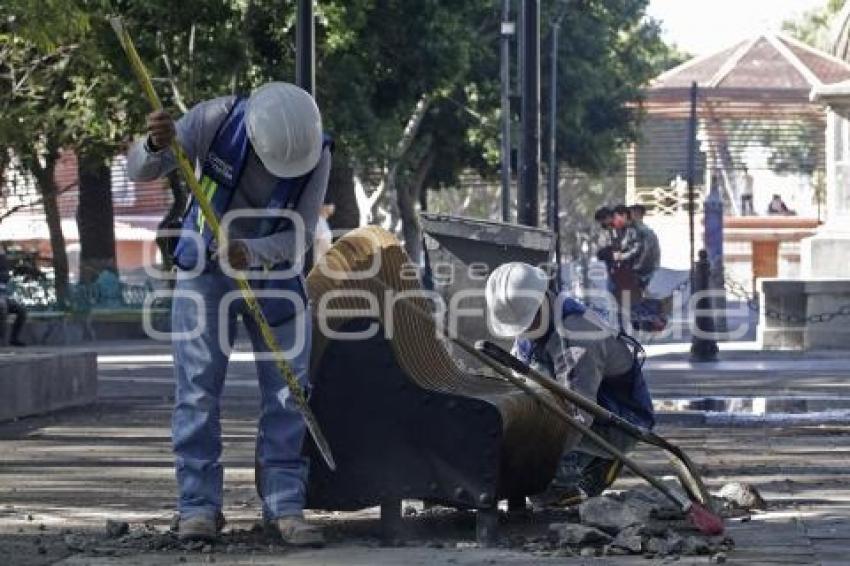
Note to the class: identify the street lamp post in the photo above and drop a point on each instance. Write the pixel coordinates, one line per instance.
(553, 205)
(553, 197)
(507, 31)
(528, 207)
(305, 47)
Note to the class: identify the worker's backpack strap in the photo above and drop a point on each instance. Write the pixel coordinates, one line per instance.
(628, 395)
(637, 349)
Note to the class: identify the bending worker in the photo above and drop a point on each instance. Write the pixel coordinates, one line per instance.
(559, 337)
(265, 159)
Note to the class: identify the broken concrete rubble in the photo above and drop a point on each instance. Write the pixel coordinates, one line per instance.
(742, 495)
(629, 539)
(115, 529)
(696, 546)
(572, 534)
(553, 533)
(636, 522)
(611, 515)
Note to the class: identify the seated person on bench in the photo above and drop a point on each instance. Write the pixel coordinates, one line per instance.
(579, 350)
(9, 306)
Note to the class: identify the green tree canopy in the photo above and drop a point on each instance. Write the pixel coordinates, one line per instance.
(609, 50)
(815, 26)
(410, 90)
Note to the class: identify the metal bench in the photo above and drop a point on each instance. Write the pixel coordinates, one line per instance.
(403, 420)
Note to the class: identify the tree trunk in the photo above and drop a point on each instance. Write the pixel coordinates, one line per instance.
(341, 194)
(368, 204)
(408, 136)
(407, 197)
(47, 187)
(95, 220)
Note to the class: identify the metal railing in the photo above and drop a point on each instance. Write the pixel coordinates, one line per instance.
(740, 291)
(40, 295)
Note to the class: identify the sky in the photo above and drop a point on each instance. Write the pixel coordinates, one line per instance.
(704, 26)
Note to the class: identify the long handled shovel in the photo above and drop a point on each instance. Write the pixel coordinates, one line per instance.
(212, 219)
(685, 467)
(703, 519)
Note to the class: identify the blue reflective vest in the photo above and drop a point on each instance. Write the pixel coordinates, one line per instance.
(626, 395)
(221, 171)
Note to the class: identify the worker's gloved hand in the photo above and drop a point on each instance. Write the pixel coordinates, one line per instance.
(238, 255)
(160, 130)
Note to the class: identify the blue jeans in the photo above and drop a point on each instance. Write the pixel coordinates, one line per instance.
(200, 365)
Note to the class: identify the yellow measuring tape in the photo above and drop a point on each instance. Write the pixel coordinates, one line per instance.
(248, 294)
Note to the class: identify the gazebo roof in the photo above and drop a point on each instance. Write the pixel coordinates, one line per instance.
(769, 75)
(768, 62)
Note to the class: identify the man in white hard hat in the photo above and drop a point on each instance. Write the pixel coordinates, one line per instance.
(265, 159)
(561, 338)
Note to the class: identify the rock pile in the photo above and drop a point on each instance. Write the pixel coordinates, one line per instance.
(635, 522)
(639, 521)
(742, 496)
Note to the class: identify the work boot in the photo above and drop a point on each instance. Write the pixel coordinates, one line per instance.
(295, 531)
(598, 475)
(556, 496)
(200, 527)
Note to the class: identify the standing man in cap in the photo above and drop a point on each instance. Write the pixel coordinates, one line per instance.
(263, 162)
(647, 263)
(561, 338)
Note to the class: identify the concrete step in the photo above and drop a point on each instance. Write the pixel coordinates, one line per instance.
(37, 383)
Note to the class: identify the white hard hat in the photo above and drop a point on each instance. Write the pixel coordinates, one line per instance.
(514, 293)
(285, 129)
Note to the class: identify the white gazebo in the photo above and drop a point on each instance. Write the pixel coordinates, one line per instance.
(759, 131)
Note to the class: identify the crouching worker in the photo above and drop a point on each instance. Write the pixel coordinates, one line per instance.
(265, 159)
(560, 338)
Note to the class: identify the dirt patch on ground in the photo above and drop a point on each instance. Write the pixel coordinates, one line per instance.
(542, 534)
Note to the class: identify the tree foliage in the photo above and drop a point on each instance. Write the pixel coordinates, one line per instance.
(32, 121)
(410, 90)
(609, 50)
(815, 27)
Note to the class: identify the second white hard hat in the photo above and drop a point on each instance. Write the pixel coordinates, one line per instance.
(285, 129)
(514, 293)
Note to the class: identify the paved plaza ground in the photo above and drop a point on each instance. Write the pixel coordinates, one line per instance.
(63, 475)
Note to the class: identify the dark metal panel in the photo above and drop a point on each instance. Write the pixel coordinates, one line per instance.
(462, 252)
(393, 439)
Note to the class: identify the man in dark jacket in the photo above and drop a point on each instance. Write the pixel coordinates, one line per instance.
(604, 217)
(627, 248)
(650, 257)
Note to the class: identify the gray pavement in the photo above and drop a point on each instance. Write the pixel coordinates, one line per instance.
(68, 472)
